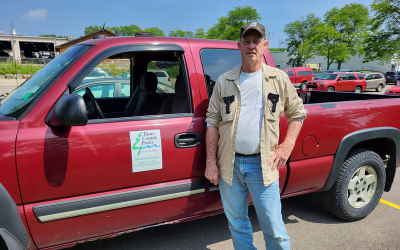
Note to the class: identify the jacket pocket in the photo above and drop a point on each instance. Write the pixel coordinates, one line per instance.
(272, 116)
(227, 107)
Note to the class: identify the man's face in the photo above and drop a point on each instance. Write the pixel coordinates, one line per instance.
(252, 47)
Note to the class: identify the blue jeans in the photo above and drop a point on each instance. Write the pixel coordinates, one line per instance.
(247, 176)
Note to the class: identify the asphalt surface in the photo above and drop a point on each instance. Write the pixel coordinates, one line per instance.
(308, 224)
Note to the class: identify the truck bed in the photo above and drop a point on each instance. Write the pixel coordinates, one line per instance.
(312, 97)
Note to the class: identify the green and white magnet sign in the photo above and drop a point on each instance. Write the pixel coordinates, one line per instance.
(146, 150)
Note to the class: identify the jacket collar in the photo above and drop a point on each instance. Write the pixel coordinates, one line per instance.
(234, 74)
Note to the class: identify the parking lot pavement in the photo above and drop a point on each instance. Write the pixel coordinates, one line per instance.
(6, 86)
(308, 224)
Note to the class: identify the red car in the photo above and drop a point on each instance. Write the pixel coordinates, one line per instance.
(299, 76)
(123, 157)
(393, 90)
(339, 82)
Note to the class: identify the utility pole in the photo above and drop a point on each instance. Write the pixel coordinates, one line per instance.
(269, 36)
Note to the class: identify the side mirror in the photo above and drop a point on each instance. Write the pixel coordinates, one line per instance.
(69, 110)
(340, 79)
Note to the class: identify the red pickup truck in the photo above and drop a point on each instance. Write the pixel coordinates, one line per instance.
(299, 76)
(339, 82)
(121, 156)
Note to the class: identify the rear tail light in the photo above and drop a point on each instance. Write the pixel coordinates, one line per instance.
(169, 79)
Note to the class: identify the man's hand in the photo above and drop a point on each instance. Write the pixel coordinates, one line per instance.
(212, 172)
(281, 155)
(283, 151)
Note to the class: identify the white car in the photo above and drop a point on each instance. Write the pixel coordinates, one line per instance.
(162, 76)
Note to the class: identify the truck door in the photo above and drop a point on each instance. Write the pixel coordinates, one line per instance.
(123, 171)
(352, 80)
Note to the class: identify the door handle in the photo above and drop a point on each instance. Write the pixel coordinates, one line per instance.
(188, 140)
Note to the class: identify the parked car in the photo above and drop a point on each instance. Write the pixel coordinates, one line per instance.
(392, 77)
(375, 81)
(98, 73)
(299, 76)
(70, 175)
(125, 75)
(162, 76)
(393, 90)
(339, 82)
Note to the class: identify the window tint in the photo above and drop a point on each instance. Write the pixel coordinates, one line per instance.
(343, 76)
(351, 77)
(361, 76)
(216, 62)
(289, 73)
(390, 73)
(304, 73)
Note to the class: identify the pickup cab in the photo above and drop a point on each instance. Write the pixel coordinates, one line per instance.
(121, 156)
(339, 82)
(299, 76)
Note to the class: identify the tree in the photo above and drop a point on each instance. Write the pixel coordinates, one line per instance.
(200, 33)
(228, 28)
(181, 33)
(298, 32)
(129, 30)
(326, 43)
(51, 35)
(383, 42)
(350, 22)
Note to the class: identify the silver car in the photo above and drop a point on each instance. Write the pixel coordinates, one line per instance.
(375, 81)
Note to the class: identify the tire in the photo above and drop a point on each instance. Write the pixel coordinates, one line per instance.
(358, 187)
(357, 90)
(330, 89)
(379, 88)
(303, 86)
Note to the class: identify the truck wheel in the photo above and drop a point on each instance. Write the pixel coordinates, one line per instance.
(330, 89)
(358, 187)
(303, 86)
(379, 88)
(357, 90)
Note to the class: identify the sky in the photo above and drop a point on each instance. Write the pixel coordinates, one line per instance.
(70, 17)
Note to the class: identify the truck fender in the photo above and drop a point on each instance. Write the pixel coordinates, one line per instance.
(352, 139)
(12, 228)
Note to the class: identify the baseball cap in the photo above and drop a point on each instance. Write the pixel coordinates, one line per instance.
(252, 26)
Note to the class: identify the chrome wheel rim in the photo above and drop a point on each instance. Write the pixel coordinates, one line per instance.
(379, 88)
(357, 90)
(303, 86)
(330, 89)
(362, 186)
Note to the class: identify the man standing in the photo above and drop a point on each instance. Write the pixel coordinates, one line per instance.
(243, 124)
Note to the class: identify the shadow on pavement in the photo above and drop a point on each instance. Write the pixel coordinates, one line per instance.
(204, 232)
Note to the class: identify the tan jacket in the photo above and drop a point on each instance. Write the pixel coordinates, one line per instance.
(274, 81)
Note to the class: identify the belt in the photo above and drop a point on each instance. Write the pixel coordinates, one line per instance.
(241, 155)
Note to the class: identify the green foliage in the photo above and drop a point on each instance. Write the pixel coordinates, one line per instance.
(173, 71)
(15, 68)
(181, 33)
(383, 42)
(228, 28)
(351, 23)
(298, 32)
(277, 49)
(129, 30)
(200, 33)
(51, 35)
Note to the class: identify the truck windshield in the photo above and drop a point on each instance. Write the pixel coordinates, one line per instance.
(13, 105)
(328, 77)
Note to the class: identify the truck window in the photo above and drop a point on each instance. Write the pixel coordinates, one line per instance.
(128, 89)
(304, 73)
(343, 76)
(360, 76)
(289, 73)
(216, 62)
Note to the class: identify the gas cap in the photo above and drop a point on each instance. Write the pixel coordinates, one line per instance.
(310, 145)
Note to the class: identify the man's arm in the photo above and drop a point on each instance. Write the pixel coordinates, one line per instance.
(212, 172)
(283, 151)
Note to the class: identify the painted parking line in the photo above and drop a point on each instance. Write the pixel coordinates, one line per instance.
(390, 204)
